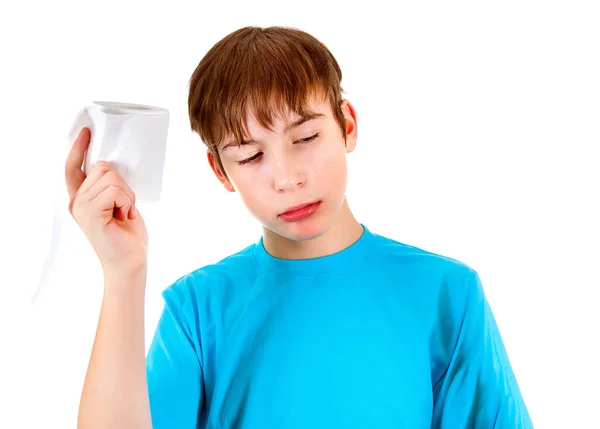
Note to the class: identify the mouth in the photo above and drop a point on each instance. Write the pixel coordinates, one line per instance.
(300, 212)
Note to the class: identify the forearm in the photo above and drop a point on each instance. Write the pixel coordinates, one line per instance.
(115, 392)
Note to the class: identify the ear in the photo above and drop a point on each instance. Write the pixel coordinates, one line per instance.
(351, 125)
(215, 168)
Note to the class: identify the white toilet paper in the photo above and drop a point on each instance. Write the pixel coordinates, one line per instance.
(133, 139)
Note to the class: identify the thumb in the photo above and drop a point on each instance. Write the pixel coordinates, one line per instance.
(74, 175)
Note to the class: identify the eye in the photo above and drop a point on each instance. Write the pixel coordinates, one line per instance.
(307, 139)
(250, 160)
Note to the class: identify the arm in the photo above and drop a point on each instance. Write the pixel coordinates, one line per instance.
(104, 206)
(115, 392)
(478, 389)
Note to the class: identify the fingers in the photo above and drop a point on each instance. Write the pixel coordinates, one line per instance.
(99, 186)
(106, 178)
(114, 200)
(97, 172)
(74, 176)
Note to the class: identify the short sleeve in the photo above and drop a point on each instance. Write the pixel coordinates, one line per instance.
(479, 389)
(174, 370)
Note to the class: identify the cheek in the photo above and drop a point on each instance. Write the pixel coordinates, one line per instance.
(249, 189)
(330, 168)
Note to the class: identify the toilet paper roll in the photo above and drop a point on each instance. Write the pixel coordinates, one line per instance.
(133, 139)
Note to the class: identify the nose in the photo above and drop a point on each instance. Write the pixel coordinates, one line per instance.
(288, 184)
(288, 176)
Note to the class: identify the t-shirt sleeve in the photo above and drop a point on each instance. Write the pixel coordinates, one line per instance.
(173, 369)
(479, 389)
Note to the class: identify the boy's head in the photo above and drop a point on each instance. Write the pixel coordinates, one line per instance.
(268, 104)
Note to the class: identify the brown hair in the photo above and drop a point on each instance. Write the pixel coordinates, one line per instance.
(265, 68)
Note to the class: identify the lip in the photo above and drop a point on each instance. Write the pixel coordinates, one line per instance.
(299, 212)
(298, 207)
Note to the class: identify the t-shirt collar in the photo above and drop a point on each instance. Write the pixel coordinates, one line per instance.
(343, 260)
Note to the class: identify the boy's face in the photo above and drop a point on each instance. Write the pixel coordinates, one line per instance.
(291, 166)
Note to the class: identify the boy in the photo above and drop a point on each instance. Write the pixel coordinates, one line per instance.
(321, 323)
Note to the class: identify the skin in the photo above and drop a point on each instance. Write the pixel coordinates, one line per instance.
(288, 172)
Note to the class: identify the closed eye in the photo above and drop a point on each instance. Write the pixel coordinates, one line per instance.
(308, 139)
(256, 157)
(250, 160)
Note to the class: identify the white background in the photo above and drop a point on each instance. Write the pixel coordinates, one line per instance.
(478, 139)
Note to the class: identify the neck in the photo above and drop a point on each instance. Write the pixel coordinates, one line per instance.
(344, 231)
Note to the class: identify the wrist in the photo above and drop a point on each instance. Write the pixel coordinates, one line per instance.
(125, 280)
(115, 272)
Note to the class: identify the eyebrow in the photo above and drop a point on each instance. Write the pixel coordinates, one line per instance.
(288, 128)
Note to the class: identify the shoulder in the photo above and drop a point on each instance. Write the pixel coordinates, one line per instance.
(408, 255)
(214, 278)
(441, 274)
(443, 289)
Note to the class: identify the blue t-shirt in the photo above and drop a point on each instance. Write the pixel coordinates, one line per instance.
(379, 335)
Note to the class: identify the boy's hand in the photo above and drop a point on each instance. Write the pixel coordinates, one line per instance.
(103, 206)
